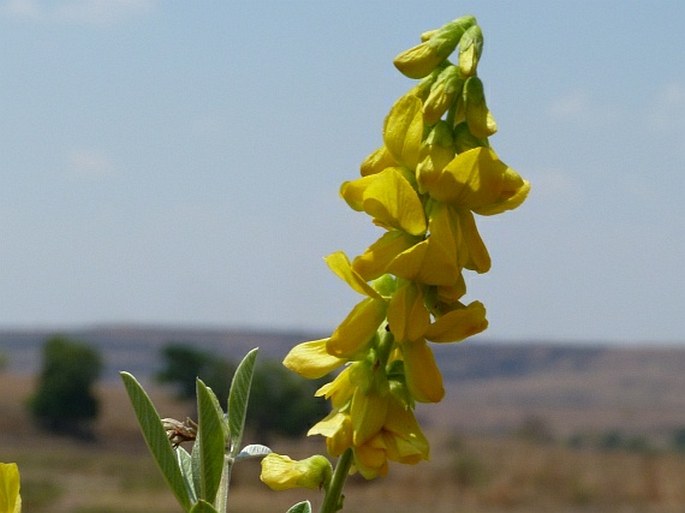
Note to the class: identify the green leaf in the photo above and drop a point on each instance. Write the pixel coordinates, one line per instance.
(203, 507)
(238, 398)
(212, 440)
(186, 466)
(301, 507)
(252, 451)
(156, 439)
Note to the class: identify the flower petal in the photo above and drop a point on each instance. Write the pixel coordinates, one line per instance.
(407, 314)
(311, 359)
(434, 260)
(423, 376)
(358, 328)
(368, 412)
(458, 324)
(377, 162)
(403, 130)
(478, 180)
(389, 198)
(280, 472)
(341, 266)
(373, 262)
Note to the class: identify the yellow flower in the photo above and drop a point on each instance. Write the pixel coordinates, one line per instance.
(410, 324)
(390, 198)
(400, 439)
(479, 181)
(280, 472)
(336, 427)
(10, 500)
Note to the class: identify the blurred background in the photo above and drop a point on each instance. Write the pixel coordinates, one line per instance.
(170, 175)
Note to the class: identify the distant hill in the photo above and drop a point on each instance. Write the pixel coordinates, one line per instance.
(489, 386)
(137, 348)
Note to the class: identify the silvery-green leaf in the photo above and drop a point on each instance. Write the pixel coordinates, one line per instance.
(185, 464)
(238, 399)
(301, 507)
(212, 442)
(252, 451)
(156, 439)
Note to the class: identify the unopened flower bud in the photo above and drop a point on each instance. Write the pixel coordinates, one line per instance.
(280, 472)
(445, 91)
(437, 151)
(480, 121)
(419, 61)
(470, 49)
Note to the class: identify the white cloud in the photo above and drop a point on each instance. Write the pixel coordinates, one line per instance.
(78, 12)
(89, 164)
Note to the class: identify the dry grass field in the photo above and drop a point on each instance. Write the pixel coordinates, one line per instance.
(468, 473)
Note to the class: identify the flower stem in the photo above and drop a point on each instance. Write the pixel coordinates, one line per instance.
(332, 501)
(221, 501)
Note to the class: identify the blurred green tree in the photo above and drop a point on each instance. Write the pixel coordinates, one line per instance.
(182, 364)
(64, 401)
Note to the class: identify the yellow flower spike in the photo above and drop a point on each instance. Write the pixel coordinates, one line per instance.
(367, 412)
(447, 89)
(480, 120)
(419, 61)
(373, 262)
(470, 50)
(280, 472)
(458, 324)
(436, 152)
(358, 328)
(478, 180)
(311, 359)
(422, 374)
(407, 314)
(434, 260)
(403, 130)
(377, 161)
(341, 266)
(10, 500)
(389, 198)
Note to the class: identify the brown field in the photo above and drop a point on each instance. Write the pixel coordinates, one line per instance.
(468, 472)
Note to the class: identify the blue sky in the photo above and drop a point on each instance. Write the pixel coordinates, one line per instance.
(179, 162)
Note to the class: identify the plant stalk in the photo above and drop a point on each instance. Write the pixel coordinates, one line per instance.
(221, 501)
(332, 501)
